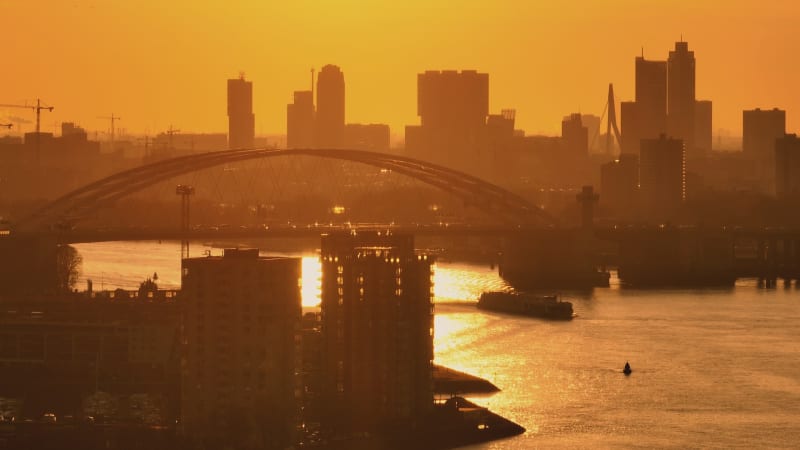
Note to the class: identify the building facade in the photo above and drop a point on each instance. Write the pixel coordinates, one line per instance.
(300, 121)
(662, 177)
(760, 130)
(241, 120)
(377, 326)
(330, 118)
(241, 317)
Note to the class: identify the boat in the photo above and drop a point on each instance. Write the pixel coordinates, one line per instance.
(543, 306)
(627, 370)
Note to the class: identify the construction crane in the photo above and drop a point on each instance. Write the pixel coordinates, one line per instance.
(7, 125)
(113, 119)
(38, 108)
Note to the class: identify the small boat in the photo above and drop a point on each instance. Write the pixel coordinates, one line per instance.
(627, 370)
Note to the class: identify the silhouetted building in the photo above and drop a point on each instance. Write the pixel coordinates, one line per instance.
(681, 94)
(651, 97)
(787, 166)
(575, 136)
(619, 186)
(329, 124)
(452, 107)
(300, 121)
(592, 124)
(241, 321)
(662, 176)
(703, 127)
(370, 137)
(378, 331)
(631, 130)
(241, 120)
(760, 130)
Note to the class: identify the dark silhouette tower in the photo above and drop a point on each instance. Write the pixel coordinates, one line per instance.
(612, 121)
(329, 124)
(681, 94)
(646, 118)
(300, 121)
(241, 121)
(377, 328)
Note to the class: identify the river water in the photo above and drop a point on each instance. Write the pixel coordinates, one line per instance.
(711, 368)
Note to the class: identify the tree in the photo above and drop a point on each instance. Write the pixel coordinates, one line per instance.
(68, 267)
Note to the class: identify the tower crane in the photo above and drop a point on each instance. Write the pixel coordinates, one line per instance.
(7, 125)
(38, 108)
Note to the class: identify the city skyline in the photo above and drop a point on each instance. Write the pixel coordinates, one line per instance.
(381, 85)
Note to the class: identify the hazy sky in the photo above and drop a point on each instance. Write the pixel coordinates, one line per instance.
(158, 63)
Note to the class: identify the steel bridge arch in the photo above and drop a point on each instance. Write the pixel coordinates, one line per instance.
(490, 198)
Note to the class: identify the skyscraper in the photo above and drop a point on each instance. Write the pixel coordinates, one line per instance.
(452, 107)
(681, 94)
(241, 121)
(662, 177)
(377, 325)
(300, 121)
(241, 316)
(651, 97)
(329, 125)
(760, 130)
(575, 136)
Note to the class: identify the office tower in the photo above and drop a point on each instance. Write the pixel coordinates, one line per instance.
(631, 130)
(787, 166)
(619, 186)
(760, 130)
(241, 121)
(370, 137)
(377, 325)
(651, 97)
(702, 127)
(662, 177)
(452, 107)
(329, 125)
(681, 95)
(575, 136)
(241, 317)
(300, 121)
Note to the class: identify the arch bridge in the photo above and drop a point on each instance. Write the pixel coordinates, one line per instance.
(508, 207)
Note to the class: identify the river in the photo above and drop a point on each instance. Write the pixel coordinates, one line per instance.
(711, 368)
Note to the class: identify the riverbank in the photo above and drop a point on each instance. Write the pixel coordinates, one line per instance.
(447, 381)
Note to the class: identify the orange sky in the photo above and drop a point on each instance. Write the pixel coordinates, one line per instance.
(158, 63)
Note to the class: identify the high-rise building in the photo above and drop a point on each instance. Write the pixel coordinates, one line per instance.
(631, 130)
(329, 124)
(241, 120)
(240, 321)
(377, 326)
(760, 130)
(703, 127)
(651, 97)
(452, 107)
(575, 136)
(619, 186)
(662, 177)
(300, 121)
(681, 94)
(787, 166)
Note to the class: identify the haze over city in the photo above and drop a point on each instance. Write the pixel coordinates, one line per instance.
(160, 62)
(359, 225)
